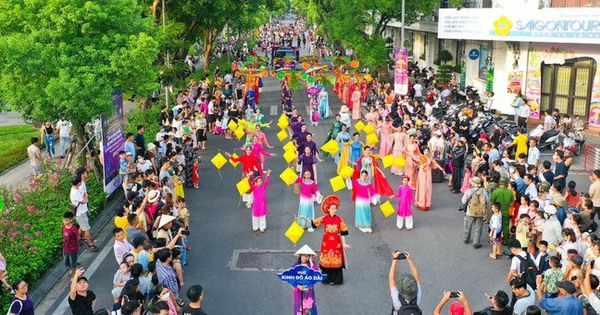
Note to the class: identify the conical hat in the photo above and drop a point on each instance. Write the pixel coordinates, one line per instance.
(305, 250)
(164, 219)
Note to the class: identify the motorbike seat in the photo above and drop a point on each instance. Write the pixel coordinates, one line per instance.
(548, 134)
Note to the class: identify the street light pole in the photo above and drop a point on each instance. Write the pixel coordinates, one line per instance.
(402, 28)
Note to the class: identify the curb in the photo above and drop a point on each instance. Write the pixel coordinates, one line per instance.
(47, 282)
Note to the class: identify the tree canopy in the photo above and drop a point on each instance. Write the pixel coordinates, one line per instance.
(360, 24)
(67, 56)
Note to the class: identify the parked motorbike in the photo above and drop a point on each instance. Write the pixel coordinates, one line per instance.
(550, 139)
(578, 138)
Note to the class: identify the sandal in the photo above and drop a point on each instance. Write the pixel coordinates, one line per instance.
(92, 247)
(492, 256)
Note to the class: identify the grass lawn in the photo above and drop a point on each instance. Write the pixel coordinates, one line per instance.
(14, 141)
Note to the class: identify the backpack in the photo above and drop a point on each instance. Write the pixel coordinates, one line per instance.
(528, 270)
(407, 309)
(477, 204)
(11, 305)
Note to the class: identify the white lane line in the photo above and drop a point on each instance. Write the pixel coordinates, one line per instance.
(89, 272)
(273, 110)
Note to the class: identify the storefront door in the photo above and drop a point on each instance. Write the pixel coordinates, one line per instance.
(568, 87)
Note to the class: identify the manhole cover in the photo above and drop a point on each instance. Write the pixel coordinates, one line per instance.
(254, 259)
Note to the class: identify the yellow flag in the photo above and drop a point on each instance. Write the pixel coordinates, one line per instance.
(346, 172)
(239, 132)
(282, 124)
(289, 146)
(337, 183)
(294, 232)
(372, 138)
(399, 162)
(232, 125)
(359, 125)
(288, 176)
(243, 186)
(369, 129)
(218, 160)
(232, 162)
(283, 117)
(387, 161)
(243, 123)
(387, 209)
(290, 156)
(331, 147)
(282, 135)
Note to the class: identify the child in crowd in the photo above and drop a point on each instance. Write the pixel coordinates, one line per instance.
(550, 277)
(572, 195)
(496, 231)
(70, 242)
(195, 175)
(523, 230)
(542, 259)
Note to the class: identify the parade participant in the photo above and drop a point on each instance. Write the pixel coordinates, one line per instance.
(336, 128)
(424, 181)
(313, 106)
(286, 99)
(356, 148)
(304, 298)
(363, 193)
(250, 163)
(259, 151)
(308, 163)
(405, 199)
(345, 116)
(385, 134)
(413, 155)
(258, 188)
(369, 163)
(332, 259)
(262, 138)
(311, 144)
(372, 117)
(308, 192)
(343, 157)
(355, 104)
(398, 149)
(323, 99)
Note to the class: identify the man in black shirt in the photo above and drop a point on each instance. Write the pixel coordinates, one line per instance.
(196, 296)
(81, 300)
(140, 142)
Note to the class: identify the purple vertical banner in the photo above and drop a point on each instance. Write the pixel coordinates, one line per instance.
(401, 71)
(113, 141)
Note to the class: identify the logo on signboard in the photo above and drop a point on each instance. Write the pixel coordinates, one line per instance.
(502, 26)
(473, 54)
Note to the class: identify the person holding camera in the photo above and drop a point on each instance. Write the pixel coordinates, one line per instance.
(475, 202)
(456, 307)
(406, 298)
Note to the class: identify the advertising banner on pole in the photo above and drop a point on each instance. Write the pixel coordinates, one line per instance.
(401, 71)
(113, 141)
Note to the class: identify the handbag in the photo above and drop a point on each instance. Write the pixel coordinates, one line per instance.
(73, 208)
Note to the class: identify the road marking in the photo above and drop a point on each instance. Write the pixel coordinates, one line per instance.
(273, 110)
(64, 305)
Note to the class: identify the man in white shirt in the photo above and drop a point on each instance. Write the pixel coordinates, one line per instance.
(79, 200)
(121, 246)
(549, 121)
(552, 232)
(531, 189)
(533, 156)
(64, 135)
(418, 91)
(524, 113)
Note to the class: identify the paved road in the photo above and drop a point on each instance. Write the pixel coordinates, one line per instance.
(219, 228)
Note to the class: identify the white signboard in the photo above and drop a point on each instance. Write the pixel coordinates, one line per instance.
(564, 25)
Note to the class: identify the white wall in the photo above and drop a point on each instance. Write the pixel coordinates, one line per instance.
(516, 4)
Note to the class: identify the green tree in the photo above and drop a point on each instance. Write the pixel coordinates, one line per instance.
(67, 56)
(360, 24)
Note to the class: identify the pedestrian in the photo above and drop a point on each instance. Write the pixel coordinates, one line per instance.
(64, 135)
(332, 260)
(475, 203)
(565, 303)
(524, 295)
(82, 301)
(139, 141)
(195, 174)
(121, 246)
(79, 200)
(505, 197)
(70, 235)
(405, 199)
(406, 298)
(496, 231)
(304, 297)
(47, 132)
(162, 295)
(560, 169)
(21, 303)
(363, 194)
(458, 155)
(459, 307)
(35, 157)
(309, 191)
(196, 295)
(259, 206)
(165, 273)
(499, 303)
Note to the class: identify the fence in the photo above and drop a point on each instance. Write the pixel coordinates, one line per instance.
(591, 158)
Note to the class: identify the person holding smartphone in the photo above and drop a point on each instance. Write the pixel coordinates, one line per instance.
(460, 307)
(407, 296)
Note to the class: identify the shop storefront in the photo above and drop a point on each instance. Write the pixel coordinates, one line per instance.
(550, 55)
